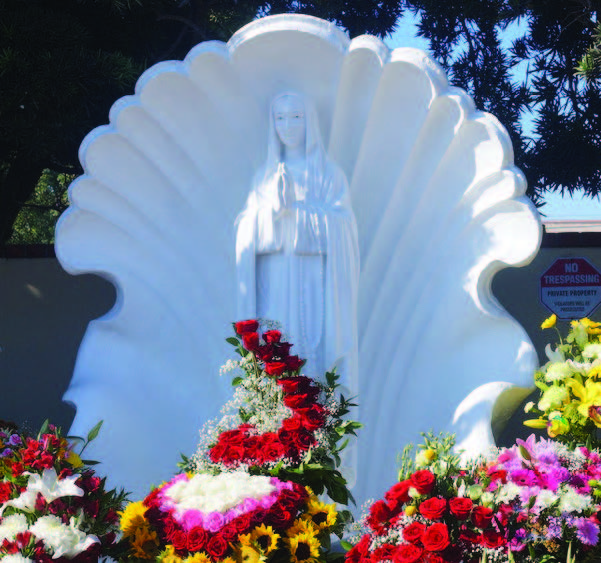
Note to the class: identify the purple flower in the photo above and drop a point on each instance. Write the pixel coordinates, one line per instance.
(7, 452)
(14, 440)
(554, 529)
(587, 531)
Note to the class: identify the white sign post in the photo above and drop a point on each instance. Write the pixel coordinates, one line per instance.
(571, 288)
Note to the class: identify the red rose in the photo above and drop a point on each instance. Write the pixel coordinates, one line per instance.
(280, 517)
(398, 495)
(272, 336)
(312, 418)
(197, 538)
(482, 516)
(461, 507)
(413, 532)
(232, 454)
(232, 437)
(179, 539)
(151, 499)
(217, 547)
(242, 523)
(250, 340)
(294, 363)
(275, 368)
(383, 552)
(282, 349)
(505, 510)
(436, 537)
(215, 453)
(380, 511)
(265, 353)
(433, 508)
(360, 551)
(423, 481)
(292, 424)
(491, 539)
(297, 384)
(303, 440)
(297, 401)
(274, 451)
(243, 327)
(228, 532)
(407, 554)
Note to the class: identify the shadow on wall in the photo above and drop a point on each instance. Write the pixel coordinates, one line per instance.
(43, 316)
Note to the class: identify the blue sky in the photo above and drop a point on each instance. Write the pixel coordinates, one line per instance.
(557, 207)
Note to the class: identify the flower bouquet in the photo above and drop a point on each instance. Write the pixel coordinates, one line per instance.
(249, 492)
(535, 502)
(570, 404)
(52, 505)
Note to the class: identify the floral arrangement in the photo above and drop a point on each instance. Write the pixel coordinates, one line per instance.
(230, 517)
(52, 505)
(569, 407)
(534, 502)
(249, 492)
(279, 423)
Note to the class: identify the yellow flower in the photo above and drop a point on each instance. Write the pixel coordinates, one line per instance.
(594, 372)
(301, 526)
(591, 326)
(321, 514)
(535, 423)
(169, 556)
(244, 539)
(304, 548)
(550, 322)
(410, 510)
(132, 518)
(74, 459)
(228, 560)
(589, 395)
(248, 554)
(265, 538)
(145, 543)
(557, 425)
(203, 557)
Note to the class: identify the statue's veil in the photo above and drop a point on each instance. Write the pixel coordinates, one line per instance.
(274, 169)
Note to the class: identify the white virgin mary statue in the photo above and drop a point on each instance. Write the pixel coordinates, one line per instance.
(297, 248)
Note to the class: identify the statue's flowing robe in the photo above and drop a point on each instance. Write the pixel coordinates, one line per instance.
(299, 265)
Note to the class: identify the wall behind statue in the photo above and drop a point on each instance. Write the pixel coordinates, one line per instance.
(44, 313)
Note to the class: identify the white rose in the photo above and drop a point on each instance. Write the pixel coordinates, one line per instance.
(11, 526)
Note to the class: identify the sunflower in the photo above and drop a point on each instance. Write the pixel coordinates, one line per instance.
(202, 557)
(248, 554)
(321, 514)
(132, 518)
(265, 538)
(304, 548)
(145, 543)
(300, 526)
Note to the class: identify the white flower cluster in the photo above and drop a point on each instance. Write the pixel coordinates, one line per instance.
(60, 539)
(217, 493)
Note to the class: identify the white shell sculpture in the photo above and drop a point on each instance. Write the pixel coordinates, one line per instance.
(439, 206)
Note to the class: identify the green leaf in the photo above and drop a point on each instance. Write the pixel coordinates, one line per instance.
(92, 434)
(44, 428)
(237, 380)
(233, 341)
(90, 462)
(346, 545)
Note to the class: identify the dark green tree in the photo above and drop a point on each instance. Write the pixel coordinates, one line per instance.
(64, 62)
(517, 59)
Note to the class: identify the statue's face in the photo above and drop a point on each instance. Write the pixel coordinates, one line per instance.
(290, 123)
